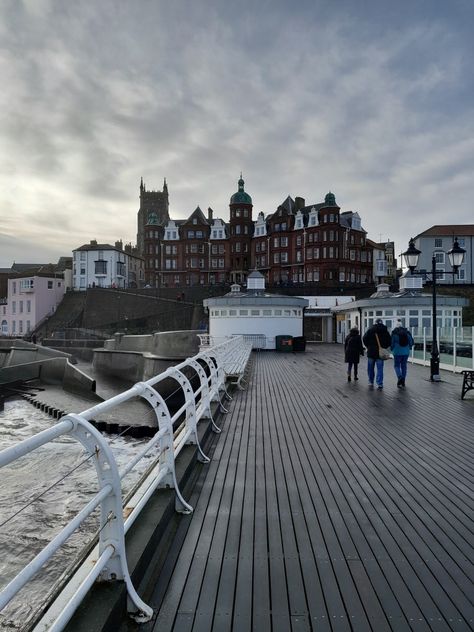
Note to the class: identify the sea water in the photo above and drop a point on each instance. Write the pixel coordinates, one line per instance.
(25, 533)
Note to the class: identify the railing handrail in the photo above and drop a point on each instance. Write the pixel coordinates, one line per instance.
(111, 563)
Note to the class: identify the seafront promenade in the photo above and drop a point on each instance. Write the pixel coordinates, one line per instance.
(328, 506)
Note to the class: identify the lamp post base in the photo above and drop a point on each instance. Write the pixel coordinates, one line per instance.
(434, 370)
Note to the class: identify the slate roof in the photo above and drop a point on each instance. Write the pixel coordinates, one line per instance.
(458, 230)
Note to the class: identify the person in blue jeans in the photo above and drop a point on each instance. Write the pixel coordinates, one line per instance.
(401, 345)
(374, 363)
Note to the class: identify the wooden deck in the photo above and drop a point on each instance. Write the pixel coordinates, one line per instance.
(330, 506)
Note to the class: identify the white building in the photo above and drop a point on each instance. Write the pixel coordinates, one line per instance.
(438, 240)
(255, 313)
(103, 265)
(30, 299)
(410, 305)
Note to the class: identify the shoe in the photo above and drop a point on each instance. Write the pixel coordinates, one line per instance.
(379, 387)
(355, 378)
(348, 378)
(400, 382)
(403, 382)
(371, 385)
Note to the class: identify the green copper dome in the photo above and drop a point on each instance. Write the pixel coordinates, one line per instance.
(241, 197)
(152, 218)
(330, 199)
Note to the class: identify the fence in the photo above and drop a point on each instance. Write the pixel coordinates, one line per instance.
(456, 347)
(174, 431)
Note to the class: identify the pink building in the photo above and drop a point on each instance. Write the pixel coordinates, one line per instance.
(30, 299)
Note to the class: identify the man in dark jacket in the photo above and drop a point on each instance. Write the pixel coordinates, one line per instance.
(373, 359)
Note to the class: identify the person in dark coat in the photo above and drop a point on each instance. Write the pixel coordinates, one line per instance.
(402, 343)
(353, 350)
(373, 359)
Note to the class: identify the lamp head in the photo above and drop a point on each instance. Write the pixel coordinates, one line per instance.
(411, 255)
(456, 255)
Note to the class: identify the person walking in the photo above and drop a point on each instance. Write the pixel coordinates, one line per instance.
(402, 342)
(375, 337)
(353, 349)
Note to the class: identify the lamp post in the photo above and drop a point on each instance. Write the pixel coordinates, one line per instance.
(456, 258)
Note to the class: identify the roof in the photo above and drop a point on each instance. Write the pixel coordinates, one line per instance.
(241, 197)
(98, 247)
(450, 230)
(21, 267)
(403, 298)
(199, 215)
(374, 244)
(255, 297)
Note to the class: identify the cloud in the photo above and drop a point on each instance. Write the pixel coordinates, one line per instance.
(374, 105)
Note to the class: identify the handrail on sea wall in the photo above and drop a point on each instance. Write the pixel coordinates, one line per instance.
(110, 563)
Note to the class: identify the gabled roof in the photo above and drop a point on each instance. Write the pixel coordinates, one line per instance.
(96, 247)
(21, 267)
(450, 230)
(199, 215)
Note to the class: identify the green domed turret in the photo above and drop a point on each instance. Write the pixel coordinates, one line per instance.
(241, 197)
(152, 218)
(330, 199)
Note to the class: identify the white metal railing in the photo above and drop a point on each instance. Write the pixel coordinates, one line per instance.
(108, 561)
(456, 347)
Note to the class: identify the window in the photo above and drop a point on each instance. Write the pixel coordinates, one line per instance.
(190, 234)
(14, 307)
(276, 257)
(21, 307)
(28, 307)
(276, 242)
(120, 268)
(438, 242)
(284, 242)
(199, 234)
(439, 257)
(237, 229)
(299, 256)
(100, 267)
(284, 257)
(50, 285)
(298, 240)
(14, 287)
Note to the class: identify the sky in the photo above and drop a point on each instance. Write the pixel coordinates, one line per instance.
(370, 99)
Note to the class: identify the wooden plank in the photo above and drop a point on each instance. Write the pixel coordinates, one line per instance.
(329, 506)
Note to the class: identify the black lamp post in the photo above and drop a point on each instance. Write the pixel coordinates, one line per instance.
(456, 258)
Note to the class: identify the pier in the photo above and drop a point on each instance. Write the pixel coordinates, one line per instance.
(326, 506)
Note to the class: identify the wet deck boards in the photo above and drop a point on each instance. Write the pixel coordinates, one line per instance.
(329, 506)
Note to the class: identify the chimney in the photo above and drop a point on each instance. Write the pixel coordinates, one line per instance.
(93, 242)
(210, 213)
(299, 203)
(119, 245)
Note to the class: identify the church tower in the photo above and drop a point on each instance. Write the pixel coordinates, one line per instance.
(151, 202)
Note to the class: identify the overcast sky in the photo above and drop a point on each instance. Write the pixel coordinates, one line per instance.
(371, 99)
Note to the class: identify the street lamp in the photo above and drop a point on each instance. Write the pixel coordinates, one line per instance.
(456, 258)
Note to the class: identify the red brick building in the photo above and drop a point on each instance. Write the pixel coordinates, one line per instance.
(297, 244)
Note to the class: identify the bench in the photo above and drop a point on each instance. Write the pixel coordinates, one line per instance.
(467, 383)
(233, 355)
(236, 362)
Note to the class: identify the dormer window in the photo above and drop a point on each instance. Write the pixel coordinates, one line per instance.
(195, 220)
